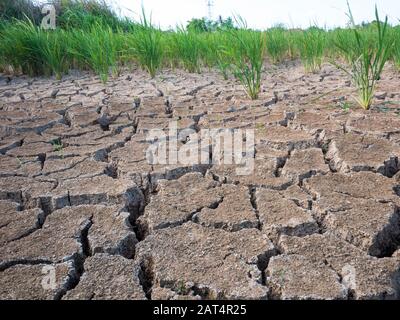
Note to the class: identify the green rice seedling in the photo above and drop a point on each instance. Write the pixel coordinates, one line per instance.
(9, 44)
(21, 46)
(97, 49)
(277, 45)
(216, 53)
(145, 44)
(311, 45)
(247, 54)
(223, 63)
(58, 147)
(170, 59)
(55, 52)
(396, 55)
(13, 48)
(345, 106)
(367, 61)
(344, 38)
(291, 38)
(396, 47)
(209, 43)
(187, 48)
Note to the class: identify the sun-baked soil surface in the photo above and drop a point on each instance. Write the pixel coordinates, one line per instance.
(318, 219)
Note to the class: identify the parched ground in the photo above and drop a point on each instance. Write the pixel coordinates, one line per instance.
(318, 219)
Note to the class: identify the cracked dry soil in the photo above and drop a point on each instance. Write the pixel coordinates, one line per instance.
(318, 219)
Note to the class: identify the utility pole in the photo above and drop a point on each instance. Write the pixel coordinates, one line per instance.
(210, 5)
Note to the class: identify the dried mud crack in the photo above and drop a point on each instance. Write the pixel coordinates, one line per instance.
(84, 215)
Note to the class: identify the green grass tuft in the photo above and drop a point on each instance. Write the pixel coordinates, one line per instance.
(277, 45)
(367, 59)
(186, 47)
(311, 45)
(247, 52)
(145, 45)
(396, 47)
(97, 49)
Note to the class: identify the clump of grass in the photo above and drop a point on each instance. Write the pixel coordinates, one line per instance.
(396, 48)
(345, 39)
(367, 61)
(34, 51)
(187, 48)
(58, 147)
(291, 38)
(19, 48)
(247, 54)
(223, 63)
(311, 45)
(277, 45)
(145, 44)
(209, 44)
(216, 54)
(345, 106)
(55, 52)
(97, 49)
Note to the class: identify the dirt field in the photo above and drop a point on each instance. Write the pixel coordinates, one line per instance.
(318, 219)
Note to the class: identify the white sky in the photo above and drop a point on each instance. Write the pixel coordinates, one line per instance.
(261, 14)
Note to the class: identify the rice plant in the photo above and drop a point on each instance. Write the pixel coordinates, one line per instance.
(247, 55)
(367, 61)
(12, 49)
(291, 38)
(277, 45)
(55, 52)
(21, 46)
(187, 48)
(311, 45)
(345, 39)
(145, 44)
(396, 47)
(97, 49)
(214, 53)
(209, 44)
(223, 63)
